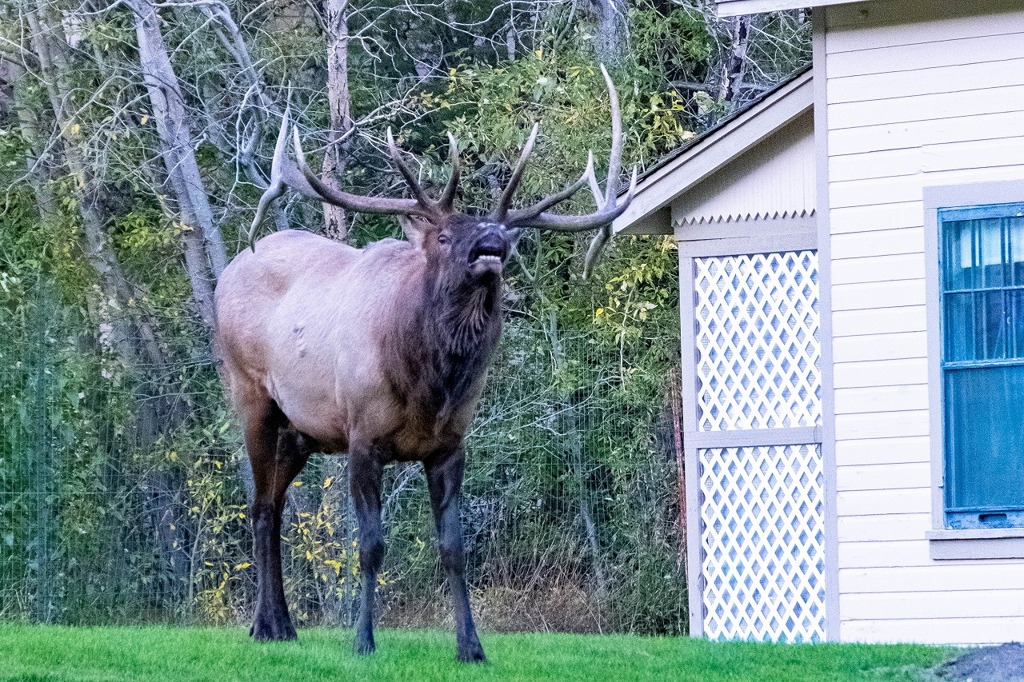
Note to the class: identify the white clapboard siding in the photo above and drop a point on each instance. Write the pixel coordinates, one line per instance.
(881, 373)
(871, 218)
(880, 242)
(935, 577)
(885, 346)
(849, 323)
(987, 603)
(883, 502)
(932, 81)
(882, 528)
(867, 142)
(918, 94)
(884, 477)
(978, 154)
(898, 293)
(906, 23)
(925, 107)
(930, 55)
(934, 630)
(898, 450)
(878, 269)
(874, 191)
(882, 554)
(882, 398)
(880, 163)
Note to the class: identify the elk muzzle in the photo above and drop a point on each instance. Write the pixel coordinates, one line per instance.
(488, 254)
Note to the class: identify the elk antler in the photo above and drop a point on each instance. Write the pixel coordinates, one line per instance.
(608, 206)
(300, 177)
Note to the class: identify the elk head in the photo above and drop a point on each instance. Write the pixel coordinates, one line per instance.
(453, 239)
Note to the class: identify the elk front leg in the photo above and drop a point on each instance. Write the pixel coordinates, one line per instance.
(277, 457)
(444, 478)
(365, 473)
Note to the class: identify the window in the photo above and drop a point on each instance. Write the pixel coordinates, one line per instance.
(981, 301)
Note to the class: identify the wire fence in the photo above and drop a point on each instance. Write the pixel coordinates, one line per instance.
(571, 508)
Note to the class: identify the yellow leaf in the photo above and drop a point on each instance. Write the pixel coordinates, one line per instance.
(539, 53)
(297, 483)
(328, 481)
(242, 566)
(143, 120)
(600, 311)
(75, 129)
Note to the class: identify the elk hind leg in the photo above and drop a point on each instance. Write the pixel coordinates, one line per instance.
(277, 456)
(366, 471)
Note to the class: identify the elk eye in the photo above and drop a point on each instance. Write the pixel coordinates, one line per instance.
(443, 239)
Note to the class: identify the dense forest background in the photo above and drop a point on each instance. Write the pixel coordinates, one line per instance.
(134, 143)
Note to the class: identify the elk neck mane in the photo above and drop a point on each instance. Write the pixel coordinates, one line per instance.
(445, 341)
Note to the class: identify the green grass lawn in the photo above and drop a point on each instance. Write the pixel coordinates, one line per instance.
(31, 652)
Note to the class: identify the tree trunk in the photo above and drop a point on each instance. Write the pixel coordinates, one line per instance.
(339, 100)
(612, 31)
(736, 64)
(204, 250)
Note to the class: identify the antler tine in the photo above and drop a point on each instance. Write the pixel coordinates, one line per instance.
(448, 196)
(615, 154)
(581, 223)
(554, 199)
(276, 185)
(595, 188)
(601, 238)
(505, 201)
(410, 177)
(608, 205)
(352, 202)
(597, 245)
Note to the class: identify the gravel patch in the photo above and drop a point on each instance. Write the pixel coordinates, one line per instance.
(1003, 663)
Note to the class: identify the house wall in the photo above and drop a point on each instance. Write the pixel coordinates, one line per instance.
(918, 94)
(773, 180)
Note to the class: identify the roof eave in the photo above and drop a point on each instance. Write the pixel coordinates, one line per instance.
(649, 212)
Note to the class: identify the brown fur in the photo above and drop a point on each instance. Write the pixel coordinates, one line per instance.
(378, 352)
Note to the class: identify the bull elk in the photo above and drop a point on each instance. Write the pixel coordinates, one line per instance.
(378, 352)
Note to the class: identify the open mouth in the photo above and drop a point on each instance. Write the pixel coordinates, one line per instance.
(486, 254)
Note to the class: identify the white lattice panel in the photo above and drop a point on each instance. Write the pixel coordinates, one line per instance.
(757, 341)
(763, 540)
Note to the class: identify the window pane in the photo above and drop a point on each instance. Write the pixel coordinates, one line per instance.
(958, 256)
(1015, 305)
(973, 254)
(985, 438)
(991, 325)
(958, 327)
(976, 326)
(1015, 236)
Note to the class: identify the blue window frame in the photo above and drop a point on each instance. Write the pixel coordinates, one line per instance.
(982, 307)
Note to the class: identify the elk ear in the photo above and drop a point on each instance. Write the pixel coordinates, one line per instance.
(415, 229)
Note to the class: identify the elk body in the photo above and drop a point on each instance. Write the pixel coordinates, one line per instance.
(380, 353)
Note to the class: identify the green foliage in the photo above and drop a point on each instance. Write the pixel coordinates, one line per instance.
(571, 502)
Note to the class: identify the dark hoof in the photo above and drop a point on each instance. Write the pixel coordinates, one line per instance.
(272, 629)
(472, 654)
(364, 645)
